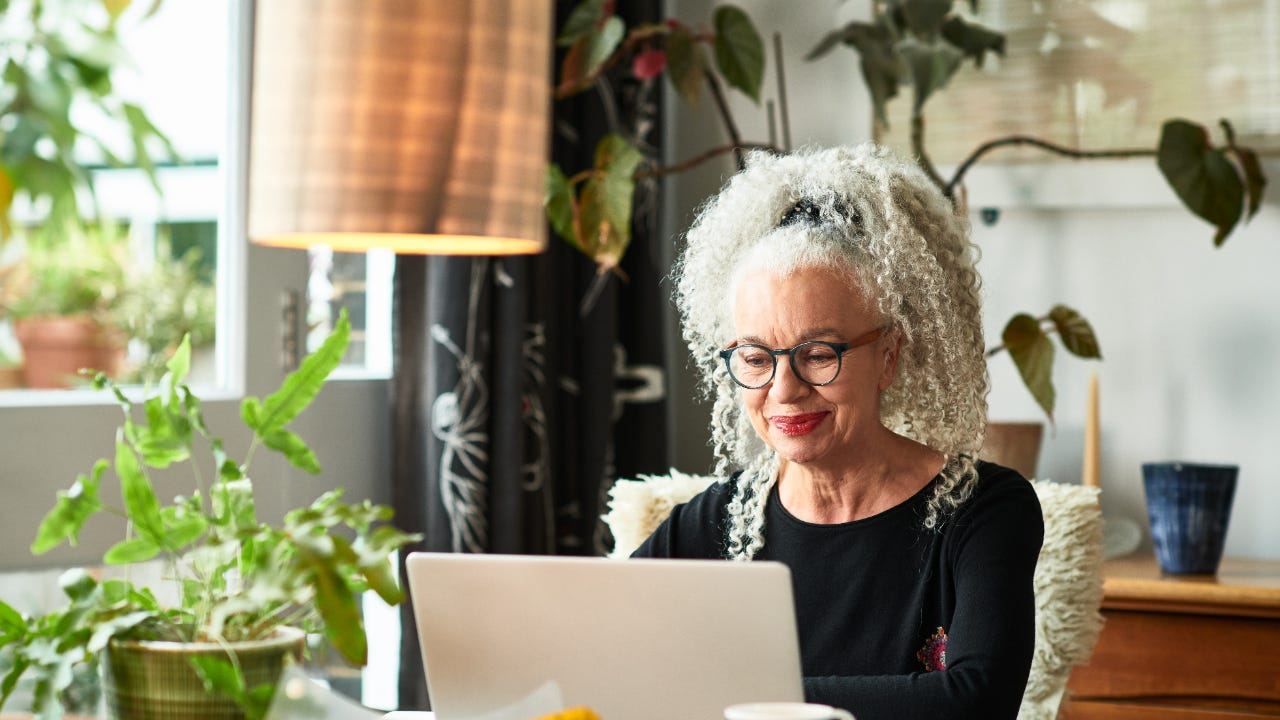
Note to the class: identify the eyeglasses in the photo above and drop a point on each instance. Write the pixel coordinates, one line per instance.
(816, 362)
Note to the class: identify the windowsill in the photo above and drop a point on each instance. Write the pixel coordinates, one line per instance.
(24, 398)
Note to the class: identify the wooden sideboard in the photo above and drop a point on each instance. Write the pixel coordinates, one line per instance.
(1185, 647)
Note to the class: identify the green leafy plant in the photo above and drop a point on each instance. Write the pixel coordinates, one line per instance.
(167, 301)
(59, 57)
(84, 273)
(922, 44)
(919, 44)
(591, 209)
(236, 577)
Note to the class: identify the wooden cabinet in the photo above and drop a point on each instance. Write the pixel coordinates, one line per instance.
(1183, 646)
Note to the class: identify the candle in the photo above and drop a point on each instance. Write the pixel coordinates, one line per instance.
(1091, 468)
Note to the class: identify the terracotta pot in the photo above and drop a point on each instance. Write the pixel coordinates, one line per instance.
(11, 377)
(153, 680)
(1015, 445)
(54, 349)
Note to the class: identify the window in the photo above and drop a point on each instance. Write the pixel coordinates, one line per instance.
(147, 269)
(1106, 74)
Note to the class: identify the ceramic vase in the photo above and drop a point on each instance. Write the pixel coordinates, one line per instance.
(1189, 505)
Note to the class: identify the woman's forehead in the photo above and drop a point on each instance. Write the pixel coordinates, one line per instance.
(798, 300)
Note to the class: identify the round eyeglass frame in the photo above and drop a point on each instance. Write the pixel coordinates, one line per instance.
(840, 349)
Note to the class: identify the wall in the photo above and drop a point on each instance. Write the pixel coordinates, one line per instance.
(1190, 334)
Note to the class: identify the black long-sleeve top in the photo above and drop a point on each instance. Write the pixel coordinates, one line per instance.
(895, 620)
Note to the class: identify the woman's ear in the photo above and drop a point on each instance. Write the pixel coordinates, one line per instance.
(890, 349)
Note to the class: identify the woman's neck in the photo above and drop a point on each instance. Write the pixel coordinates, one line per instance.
(884, 477)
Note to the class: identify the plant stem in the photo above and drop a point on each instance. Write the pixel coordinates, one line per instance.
(717, 93)
(950, 187)
(700, 158)
(922, 158)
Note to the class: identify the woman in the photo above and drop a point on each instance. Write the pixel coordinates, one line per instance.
(831, 302)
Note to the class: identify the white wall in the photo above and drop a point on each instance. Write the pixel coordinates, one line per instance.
(1190, 334)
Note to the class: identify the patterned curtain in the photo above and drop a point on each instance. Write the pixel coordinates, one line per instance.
(524, 386)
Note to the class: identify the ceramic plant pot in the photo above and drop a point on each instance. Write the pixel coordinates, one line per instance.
(154, 680)
(1014, 444)
(55, 348)
(1189, 505)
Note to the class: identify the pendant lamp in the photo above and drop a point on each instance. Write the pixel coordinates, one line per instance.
(416, 125)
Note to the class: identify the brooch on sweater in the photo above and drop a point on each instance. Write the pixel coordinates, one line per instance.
(934, 653)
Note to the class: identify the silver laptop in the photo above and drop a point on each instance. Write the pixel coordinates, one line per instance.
(631, 639)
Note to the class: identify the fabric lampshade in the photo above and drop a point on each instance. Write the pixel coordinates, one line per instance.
(420, 126)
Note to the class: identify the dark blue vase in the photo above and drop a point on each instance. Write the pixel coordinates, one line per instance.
(1189, 505)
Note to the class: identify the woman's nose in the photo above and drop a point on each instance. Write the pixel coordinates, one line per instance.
(786, 384)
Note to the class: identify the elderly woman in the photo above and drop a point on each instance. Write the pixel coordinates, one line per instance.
(831, 303)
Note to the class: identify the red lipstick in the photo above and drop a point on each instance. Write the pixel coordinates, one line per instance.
(793, 425)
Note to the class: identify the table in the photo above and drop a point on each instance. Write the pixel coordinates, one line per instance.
(1188, 647)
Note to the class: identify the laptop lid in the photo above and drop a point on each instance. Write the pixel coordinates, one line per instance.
(631, 639)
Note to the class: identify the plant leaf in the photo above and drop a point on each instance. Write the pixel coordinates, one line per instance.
(931, 66)
(924, 17)
(605, 206)
(294, 450)
(878, 60)
(139, 497)
(1076, 332)
(559, 203)
(20, 665)
(11, 622)
(77, 584)
(582, 20)
(337, 606)
(73, 508)
(1032, 353)
(1254, 179)
(1204, 179)
(179, 363)
(132, 550)
(104, 630)
(686, 64)
(739, 50)
(219, 675)
(301, 386)
(972, 39)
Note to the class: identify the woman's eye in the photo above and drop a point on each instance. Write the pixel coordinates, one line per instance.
(818, 356)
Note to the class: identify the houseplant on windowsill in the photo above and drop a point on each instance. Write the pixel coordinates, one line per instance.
(240, 584)
(60, 298)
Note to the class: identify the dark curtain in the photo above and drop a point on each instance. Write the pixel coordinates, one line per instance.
(524, 386)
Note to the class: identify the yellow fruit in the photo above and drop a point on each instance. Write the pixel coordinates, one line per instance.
(573, 713)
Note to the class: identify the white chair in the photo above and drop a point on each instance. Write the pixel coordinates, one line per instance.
(1068, 579)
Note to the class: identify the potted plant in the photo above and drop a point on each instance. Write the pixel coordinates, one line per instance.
(60, 298)
(908, 43)
(243, 591)
(60, 64)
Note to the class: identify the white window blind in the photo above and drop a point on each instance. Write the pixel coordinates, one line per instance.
(1104, 74)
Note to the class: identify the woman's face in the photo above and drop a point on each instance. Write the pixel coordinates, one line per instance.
(823, 425)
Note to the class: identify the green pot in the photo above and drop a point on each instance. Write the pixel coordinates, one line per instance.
(154, 680)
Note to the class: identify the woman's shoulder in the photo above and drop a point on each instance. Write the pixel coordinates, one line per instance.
(1003, 496)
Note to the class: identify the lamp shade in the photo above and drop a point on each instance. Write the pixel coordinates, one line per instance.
(411, 125)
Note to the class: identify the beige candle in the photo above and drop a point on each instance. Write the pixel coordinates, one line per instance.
(1091, 467)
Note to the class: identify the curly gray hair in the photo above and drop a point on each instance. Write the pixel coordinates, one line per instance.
(881, 221)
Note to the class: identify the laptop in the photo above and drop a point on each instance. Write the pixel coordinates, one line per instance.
(630, 639)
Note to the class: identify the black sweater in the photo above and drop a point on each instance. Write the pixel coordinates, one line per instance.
(897, 621)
